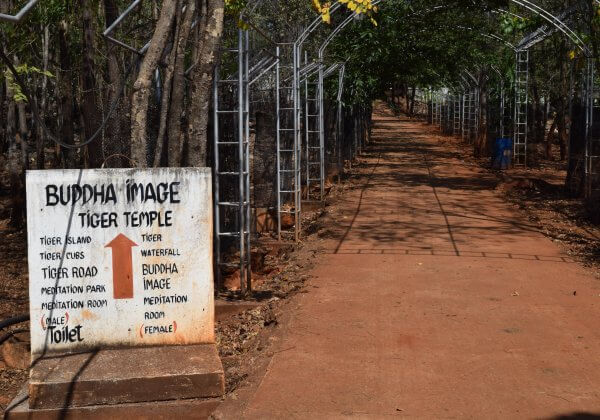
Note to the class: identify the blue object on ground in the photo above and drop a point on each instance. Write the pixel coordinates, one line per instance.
(503, 150)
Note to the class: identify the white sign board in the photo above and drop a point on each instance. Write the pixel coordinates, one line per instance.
(119, 257)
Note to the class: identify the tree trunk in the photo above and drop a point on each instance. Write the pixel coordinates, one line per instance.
(563, 134)
(536, 108)
(89, 107)
(66, 98)
(412, 101)
(164, 111)
(114, 145)
(562, 107)
(208, 48)
(175, 134)
(40, 136)
(142, 86)
(165, 108)
(549, 139)
(3, 103)
(481, 143)
(23, 134)
(15, 168)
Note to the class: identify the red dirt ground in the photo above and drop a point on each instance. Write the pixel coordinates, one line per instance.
(432, 297)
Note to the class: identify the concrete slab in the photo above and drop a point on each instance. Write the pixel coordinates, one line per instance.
(197, 408)
(126, 376)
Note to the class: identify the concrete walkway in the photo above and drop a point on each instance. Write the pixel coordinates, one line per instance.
(436, 299)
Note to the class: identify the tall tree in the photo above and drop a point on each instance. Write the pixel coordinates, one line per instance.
(210, 31)
(142, 86)
(90, 108)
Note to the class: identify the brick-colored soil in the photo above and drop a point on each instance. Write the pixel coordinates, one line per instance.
(433, 298)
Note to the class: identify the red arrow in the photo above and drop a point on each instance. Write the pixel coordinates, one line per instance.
(122, 266)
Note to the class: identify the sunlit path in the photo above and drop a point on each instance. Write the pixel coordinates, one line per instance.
(436, 300)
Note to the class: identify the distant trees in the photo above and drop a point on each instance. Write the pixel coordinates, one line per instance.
(152, 109)
(432, 44)
(141, 110)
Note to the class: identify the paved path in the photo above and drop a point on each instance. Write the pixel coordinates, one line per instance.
(436, 300)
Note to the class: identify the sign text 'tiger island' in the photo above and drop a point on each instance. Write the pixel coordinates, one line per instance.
(119, 257)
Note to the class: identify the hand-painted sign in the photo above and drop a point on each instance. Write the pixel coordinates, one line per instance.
(119, 257)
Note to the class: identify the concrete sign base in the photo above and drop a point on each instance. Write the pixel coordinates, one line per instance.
(121, 294)
(152, 382)
(164, 410)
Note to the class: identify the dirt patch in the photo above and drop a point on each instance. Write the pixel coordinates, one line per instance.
(564, 220)
(433, 323)
(245, 338)
(14, 301)
(539, 192)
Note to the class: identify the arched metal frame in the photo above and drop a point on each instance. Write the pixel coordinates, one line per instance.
(462, 120)
(240, 144)
(238, 202)
(520, 123)
(521, 55)
(459, 110)
(467, 106)
(320, 89)
(521, 86)
(472, 118)
(244, 81)
(20, 14)
(301, 77)
(312, 128)
(436, 118)
(502, 121)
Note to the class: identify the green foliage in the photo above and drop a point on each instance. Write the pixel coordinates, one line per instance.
(596, 14)
(510, 24)
(235, 6)
(358, 7)
(422, 47)
(431, 43)
(22, 70)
